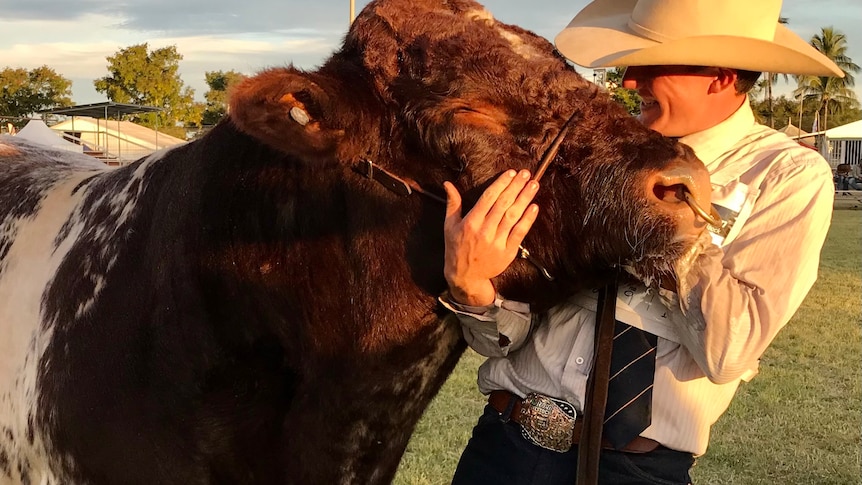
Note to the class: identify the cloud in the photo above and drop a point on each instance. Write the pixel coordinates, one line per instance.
(52, 9)
(220, 16)
(188, 17)
(74, 39)
(80, 53)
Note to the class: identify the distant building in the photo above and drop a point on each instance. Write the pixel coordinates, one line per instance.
(116, 142)
(96, 128)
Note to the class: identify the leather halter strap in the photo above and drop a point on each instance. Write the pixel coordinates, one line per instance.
(399, 185)
(405, 186)
(596, 398)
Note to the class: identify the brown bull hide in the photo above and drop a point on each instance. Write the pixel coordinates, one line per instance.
(248, 309)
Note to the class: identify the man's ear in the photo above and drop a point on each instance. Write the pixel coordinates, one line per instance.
(725, 79)
(285, 109)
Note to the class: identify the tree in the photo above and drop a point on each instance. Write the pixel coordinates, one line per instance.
(830, 94)
(782, 109)
(629, 98)
(769, 80)
(23, 92)
(138, 76)
(219, 83)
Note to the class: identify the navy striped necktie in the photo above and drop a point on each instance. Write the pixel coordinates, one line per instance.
(629, 406)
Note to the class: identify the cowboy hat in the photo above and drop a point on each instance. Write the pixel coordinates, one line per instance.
(740, 34)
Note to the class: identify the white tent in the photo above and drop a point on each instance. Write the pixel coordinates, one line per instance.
(38, 132)
(844, 145)
(850, 131)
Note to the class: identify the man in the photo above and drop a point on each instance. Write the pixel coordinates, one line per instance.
(692, 63)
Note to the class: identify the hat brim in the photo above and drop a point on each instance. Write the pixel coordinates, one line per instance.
(599, 36)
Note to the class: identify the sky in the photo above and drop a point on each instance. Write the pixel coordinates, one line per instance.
(74, 38)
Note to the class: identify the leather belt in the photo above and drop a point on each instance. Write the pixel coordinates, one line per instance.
(503, 401)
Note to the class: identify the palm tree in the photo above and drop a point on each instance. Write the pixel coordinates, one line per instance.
(769, 79)
(832, 94)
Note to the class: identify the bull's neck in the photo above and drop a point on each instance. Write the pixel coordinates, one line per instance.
(288, 238)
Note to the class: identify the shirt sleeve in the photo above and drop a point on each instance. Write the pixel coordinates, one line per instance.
(493, 330)
(742, 294)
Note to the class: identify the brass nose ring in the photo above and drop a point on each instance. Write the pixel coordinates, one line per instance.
(712, 217)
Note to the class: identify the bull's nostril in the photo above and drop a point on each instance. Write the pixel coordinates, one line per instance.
(679, 187)
(669, 193)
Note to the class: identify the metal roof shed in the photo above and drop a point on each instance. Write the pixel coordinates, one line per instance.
(104, 110)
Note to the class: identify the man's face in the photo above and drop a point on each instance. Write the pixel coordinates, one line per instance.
(675, 98)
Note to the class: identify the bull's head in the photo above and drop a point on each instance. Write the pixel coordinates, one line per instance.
(438, 90)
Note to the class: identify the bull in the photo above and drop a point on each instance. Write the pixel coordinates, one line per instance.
(260, 305)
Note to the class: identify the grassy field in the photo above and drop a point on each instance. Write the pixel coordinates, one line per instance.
(797, 423)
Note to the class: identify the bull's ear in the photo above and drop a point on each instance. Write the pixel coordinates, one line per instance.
(287, 110)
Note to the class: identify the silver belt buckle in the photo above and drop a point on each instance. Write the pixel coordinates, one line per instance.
(547, 422)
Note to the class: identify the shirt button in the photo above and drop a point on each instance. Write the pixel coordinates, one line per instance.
(579, 360)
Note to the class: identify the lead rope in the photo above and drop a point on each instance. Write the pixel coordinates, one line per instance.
(590, 448)
(546, 160)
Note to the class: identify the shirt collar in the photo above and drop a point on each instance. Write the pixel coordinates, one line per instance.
(712, 143)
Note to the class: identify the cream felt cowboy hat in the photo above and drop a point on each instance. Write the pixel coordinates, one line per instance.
(741, 34)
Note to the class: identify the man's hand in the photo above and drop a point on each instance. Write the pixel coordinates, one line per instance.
(483, 243)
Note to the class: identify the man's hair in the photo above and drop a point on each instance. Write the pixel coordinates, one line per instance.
(745, 80)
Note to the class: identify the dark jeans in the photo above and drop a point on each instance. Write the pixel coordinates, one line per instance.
(498, 454)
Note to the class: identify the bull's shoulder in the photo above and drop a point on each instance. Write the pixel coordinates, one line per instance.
(29, 172)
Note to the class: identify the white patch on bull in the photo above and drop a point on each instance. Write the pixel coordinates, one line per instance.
(425, 371)
(356, 440)
(107, 236)
(480, 14)
(412, 381)
(30, 265)
(84, 306)
(521, 48)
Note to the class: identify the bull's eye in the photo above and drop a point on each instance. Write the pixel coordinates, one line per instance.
(400, 57)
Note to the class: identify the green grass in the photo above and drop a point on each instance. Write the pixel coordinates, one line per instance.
(797, 423)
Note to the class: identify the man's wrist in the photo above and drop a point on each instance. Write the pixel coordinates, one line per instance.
(477, 294)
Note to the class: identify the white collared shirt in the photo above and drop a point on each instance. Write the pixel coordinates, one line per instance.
(744, 288)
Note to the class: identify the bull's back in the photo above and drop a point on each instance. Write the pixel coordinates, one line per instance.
(37, 198)
(64, 219)
(38, 195)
